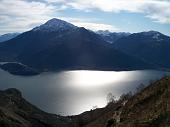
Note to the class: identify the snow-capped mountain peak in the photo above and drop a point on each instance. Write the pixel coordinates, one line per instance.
(55, 25)
(103, 32)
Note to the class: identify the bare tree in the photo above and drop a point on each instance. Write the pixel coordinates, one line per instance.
(110, 98)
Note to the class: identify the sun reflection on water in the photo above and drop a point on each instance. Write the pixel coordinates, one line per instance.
(85, 78)
(73, 92)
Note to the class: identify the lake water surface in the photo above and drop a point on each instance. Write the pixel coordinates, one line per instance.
(73, 92)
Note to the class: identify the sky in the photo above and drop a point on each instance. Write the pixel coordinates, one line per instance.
(114, 15)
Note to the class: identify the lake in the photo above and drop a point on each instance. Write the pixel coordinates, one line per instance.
(73, 92)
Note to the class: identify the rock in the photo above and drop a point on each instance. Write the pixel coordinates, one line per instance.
(15, 111)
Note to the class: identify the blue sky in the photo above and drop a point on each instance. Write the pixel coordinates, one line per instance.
(114, 15)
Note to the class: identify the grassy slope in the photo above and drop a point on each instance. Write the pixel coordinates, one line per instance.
(149, 108)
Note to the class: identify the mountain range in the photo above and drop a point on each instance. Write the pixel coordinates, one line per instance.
(111, 37)
(59, 45)
(152, 47)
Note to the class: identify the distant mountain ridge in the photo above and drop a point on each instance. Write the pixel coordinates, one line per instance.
(153, 47)
(8, 36)
(111, 37)
(59, 45)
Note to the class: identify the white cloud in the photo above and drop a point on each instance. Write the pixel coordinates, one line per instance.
(88, 24)
(20, 15)
(96, 26)
(56, 1)
(157, 10)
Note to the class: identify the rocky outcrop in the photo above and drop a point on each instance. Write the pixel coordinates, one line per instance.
(17, 112)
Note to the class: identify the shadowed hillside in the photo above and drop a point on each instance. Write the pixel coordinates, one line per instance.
(59, 45)
(151, 47)
(148, 108)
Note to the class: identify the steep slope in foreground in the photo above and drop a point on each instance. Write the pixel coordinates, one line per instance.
(149, 108)
(59, 45)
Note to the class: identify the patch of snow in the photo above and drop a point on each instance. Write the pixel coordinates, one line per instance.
(55, 25)
(103, 32)
(156, 36)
